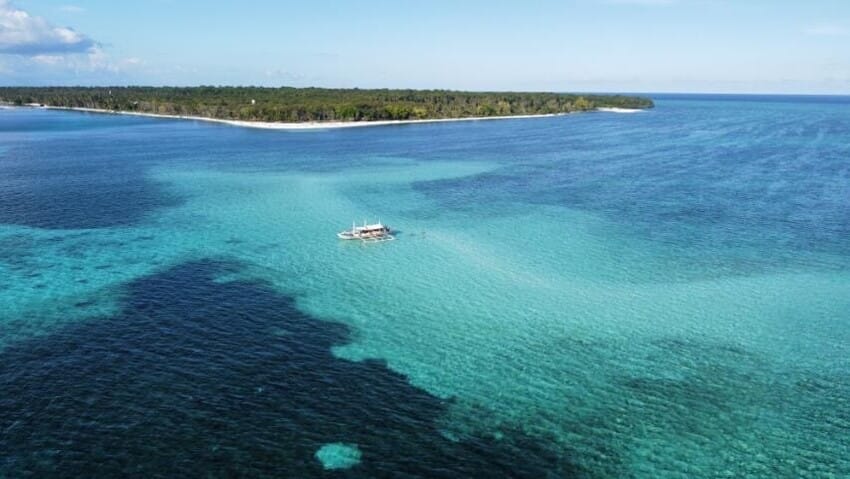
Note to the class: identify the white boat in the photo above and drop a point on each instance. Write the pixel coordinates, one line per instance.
(370, 233)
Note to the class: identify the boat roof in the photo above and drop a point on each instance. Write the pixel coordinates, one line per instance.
(375, 226)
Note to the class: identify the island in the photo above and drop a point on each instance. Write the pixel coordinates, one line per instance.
(314, 105)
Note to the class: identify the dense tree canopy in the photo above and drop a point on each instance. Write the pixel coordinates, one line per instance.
(313, 104)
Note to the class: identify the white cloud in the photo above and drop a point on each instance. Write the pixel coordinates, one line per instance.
(33, 49)
(826, 30)
(24, 34)
(48, 59)
(93, 62)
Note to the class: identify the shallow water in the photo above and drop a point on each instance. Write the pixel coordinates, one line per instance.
(664, 294)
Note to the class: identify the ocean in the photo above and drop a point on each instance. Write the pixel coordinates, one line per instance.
(661, 294)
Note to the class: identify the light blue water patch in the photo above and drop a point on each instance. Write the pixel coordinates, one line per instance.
(338, 455)
(554, 326)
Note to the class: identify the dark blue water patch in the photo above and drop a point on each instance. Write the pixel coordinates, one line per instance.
(197, 378)
(77, 184)
(767, 176)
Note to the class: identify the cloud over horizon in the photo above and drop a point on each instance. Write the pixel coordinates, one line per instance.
(24, 34)
(35, 51)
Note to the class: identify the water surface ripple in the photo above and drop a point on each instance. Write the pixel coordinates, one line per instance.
(662, 294)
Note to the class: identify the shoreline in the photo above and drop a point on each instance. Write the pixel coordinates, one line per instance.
(307, 125)
(315, 125)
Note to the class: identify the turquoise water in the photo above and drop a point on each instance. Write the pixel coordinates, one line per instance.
(658, 294)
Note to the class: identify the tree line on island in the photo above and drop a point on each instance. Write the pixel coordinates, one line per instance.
(314, 104)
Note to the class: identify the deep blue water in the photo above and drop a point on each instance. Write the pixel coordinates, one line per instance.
(658, 294)
(244, 386)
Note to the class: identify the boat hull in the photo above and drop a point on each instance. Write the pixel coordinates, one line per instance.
(371, 233)
(347, 236)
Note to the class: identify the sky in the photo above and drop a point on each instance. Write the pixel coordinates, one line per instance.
(719, 46)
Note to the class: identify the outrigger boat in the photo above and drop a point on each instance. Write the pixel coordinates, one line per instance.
(367, 233)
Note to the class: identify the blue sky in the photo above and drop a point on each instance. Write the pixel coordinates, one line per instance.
(744, 46)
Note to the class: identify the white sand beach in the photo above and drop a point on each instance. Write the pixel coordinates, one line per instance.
(319, 125)
(307, 125)
(618, 110)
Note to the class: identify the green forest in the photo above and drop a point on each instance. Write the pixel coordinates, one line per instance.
(313, 104)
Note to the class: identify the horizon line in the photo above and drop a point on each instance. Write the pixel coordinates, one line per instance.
(586, 92)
